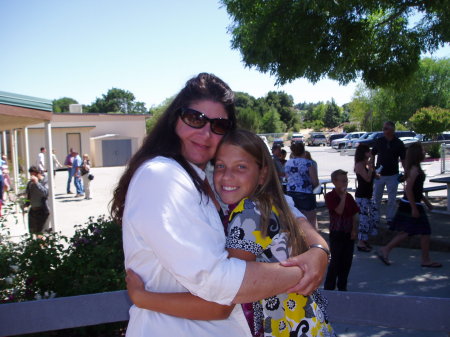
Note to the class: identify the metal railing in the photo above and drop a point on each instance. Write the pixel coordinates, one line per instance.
(409, 312)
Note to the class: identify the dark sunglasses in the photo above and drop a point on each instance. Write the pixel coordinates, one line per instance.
(196, 119)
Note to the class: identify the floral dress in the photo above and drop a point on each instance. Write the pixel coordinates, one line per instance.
(284, 314)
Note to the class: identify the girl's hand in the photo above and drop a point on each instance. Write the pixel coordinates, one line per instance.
(415, 213)
(135, 286)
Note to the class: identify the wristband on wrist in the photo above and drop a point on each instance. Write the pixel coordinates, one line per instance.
(326, 250)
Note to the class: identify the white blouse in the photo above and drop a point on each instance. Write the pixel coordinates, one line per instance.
(174, 239)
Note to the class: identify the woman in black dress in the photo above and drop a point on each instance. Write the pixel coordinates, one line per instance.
(411, 218)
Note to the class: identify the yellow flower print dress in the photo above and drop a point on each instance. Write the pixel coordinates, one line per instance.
(284, 314)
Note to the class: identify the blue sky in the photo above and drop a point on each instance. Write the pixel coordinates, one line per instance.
(82, 48)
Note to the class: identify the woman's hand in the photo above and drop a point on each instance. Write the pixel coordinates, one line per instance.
(314, 263)
(135, 286)
(415, 213)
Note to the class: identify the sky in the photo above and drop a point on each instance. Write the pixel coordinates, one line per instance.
(82, 48)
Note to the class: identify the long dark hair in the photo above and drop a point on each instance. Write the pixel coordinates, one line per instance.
(270, 192)
(163, 140)
(414, 156)
(360, 153)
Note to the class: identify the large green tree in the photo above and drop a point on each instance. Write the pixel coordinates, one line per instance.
(381, 41)
(117, 101)
(62, 104)
(429, 86)
(431, 121)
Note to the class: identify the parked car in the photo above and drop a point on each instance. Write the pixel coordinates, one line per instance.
(374, 136)
(297, 137)
(278, 142)
(334, 136)
(316, 139)
(352, 142)
(342, 142)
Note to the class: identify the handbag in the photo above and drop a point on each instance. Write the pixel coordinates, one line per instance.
(91, 177)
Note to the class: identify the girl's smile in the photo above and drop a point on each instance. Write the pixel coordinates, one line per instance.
(236, 174)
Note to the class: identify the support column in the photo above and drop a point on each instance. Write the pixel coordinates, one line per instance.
(50, 177)
(4, 144)
(27, 152)
(14, 159)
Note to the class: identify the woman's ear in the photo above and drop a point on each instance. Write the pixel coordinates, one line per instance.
(263, 175)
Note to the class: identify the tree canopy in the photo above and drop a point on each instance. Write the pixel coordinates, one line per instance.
(117, 101)
(62, 104)
(381, 41)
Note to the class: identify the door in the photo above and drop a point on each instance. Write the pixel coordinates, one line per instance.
(116, 152)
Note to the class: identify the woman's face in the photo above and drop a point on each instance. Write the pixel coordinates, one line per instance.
(199, 146)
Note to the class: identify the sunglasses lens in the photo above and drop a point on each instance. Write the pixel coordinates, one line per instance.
(193, 118)
(220, 126)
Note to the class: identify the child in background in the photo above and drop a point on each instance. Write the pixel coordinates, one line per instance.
(365, 174)
(261, 228)
(343, 227)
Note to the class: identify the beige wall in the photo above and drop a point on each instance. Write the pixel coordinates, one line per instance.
(89, 126)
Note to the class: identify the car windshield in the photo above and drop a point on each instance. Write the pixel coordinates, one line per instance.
(319, 136)
(364, 136)
(373, 135)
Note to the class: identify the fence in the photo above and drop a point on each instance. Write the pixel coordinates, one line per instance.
(409, 312)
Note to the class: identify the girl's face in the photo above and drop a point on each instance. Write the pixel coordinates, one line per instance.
(199, 146)
(236, 174)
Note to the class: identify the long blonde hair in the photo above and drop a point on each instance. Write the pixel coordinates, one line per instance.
(270, 192)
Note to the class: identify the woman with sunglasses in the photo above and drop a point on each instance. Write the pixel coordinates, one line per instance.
(172, 234)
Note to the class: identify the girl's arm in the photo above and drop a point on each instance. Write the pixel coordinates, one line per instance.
(412, 175)
(427, 202)
(183, 305)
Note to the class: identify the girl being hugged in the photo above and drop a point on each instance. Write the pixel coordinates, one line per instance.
(411, 218)
(365, 175)
(261, 228)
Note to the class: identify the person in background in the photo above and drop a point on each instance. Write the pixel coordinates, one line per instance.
(40, 161)
(37, 192)
(388, 149)
(365, 175)
(302, 179)
(6, 178)
(76, 173)
(1, 184)
(56, 163)
(283, 159)
(343, 228)
(68, 163)
(411, 218)
(85, 169)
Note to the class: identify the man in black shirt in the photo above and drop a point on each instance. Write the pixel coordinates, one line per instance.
(389, 150)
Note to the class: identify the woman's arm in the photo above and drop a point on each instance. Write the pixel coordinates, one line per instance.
(412, 175)
(183, 305)
(313, 262)
(313, 175)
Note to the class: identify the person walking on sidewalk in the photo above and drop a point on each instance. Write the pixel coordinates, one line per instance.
(68, 163)
(411, 218)
(76, 172)
(389, 150)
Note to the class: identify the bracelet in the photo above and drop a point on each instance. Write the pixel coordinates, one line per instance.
(326, 250)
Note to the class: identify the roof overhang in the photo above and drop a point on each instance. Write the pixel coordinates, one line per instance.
(18, 111)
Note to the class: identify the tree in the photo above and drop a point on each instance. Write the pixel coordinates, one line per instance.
(248, 118)
(117, 101)
(271, 122)
(156, 112)
(332, 115)
(377, 40)
(431, 121)
(62, 104)
(429, 86)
